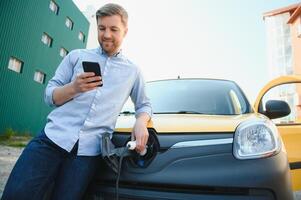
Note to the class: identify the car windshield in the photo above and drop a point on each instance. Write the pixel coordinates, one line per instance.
(195, 96)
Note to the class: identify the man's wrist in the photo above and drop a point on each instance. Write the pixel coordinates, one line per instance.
(70, 89)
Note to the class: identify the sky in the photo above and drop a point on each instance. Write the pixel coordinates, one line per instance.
(223, 39)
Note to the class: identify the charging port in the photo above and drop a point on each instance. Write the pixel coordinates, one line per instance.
(153, 147)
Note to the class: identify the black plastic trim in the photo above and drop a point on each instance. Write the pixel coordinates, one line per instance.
(191, 189)
(295, 165)
(290, 124)
(106, 192)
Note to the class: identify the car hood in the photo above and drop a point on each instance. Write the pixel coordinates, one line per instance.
(174, 123)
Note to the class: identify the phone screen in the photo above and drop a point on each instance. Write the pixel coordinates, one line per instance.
(92, 67)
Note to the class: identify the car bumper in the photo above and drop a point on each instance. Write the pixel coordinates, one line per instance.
(207, 173)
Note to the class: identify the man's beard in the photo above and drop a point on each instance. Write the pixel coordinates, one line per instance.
(108, 49)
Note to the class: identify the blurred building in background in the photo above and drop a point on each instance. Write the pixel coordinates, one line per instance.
(283, 30)
(34, 38)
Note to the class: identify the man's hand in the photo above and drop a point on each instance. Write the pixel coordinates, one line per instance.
(84, 82)
(140, 132)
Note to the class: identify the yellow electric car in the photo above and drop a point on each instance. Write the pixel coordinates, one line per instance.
(208, 142)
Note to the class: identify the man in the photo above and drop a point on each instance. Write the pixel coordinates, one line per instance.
(67, 151)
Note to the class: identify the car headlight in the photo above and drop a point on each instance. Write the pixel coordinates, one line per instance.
(256, 139)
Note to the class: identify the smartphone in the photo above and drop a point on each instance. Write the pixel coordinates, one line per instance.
(92, 67)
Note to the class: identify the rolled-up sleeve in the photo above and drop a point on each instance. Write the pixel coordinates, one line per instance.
(139, 98)
(63, 75)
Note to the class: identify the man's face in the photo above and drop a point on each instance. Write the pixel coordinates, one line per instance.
(111, 32)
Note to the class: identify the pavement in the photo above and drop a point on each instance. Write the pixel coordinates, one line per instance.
(9, 155)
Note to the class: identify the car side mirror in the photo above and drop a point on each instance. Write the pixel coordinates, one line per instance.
(276, 109)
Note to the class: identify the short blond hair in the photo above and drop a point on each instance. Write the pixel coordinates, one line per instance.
(111, 9)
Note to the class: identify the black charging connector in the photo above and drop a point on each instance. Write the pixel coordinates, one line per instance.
(113, 156)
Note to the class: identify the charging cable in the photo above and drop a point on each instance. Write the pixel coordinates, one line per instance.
(119, 170)
(131, 145)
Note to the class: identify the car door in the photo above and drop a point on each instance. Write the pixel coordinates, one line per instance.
(286, 88)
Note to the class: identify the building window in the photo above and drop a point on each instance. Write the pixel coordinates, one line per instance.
(63, 52)
(69, 23)
(53, 7)
(15, 64)
(81, 36)
(46, 39)
(39, 77)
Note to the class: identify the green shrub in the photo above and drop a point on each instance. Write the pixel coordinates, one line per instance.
(14, 138)
(8, 134)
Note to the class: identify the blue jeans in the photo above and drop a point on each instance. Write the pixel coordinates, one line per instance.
(44, 165)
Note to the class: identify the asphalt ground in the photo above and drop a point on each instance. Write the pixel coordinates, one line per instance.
(9, 155)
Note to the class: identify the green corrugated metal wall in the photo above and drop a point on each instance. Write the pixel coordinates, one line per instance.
(22, 24)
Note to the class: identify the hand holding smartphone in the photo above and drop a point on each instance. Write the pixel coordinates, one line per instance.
(92, 67)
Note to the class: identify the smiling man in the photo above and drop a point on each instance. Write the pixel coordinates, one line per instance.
(67, 151)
